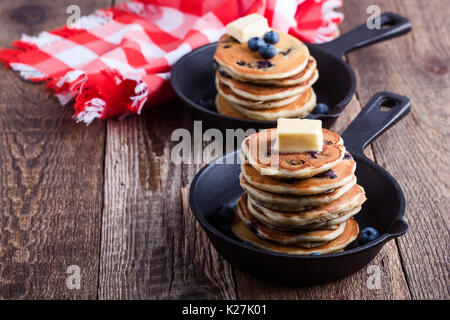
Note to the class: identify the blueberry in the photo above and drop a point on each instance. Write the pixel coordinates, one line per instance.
(285, 53)
(252, 227)
(327, 174)
(348, 156)
(207, 103)
(254, 43)
(225, 213)
(263, 64)
(368, 234)
(224, 74)
(247, 243)
(314, 154)
(296, 162)
(315, 254)
(271, 37)
(267, 51)
(321, 108)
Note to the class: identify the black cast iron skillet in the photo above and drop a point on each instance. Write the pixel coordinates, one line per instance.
(192, 76)
(215, 190)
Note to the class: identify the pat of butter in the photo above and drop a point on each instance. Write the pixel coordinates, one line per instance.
(253, 25)
(299, 135)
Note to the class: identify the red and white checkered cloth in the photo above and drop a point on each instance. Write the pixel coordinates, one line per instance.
(118, 60)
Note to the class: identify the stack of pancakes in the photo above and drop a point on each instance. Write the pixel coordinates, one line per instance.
(297, 203)
(250, 87)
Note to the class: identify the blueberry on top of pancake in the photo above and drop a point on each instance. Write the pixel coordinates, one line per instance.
(244, 62)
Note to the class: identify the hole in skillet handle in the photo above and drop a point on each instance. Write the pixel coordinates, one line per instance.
(388, 24)
(389, 20)
(387, 104)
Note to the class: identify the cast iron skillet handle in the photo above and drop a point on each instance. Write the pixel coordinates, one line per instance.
(394, 26)
(371, 121)
(399, 228)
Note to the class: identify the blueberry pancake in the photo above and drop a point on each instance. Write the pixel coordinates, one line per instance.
(350, 201)
(300, 77)
(259, 92)
(302, 238)
(293, 203)
(297, 109)
(291, 58)
(350, 233)
(223, 106)
(319, 225)
(343, 174)
(231, 96)
(257, 149)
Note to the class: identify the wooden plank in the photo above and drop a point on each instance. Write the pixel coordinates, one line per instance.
(415, 150)
(177, 260)
(152, 247)
(51, 175)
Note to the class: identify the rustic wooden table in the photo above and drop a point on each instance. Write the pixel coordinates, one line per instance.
(107, 198)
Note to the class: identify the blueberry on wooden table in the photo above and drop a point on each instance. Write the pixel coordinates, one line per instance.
(271, 37)
(267, 51)
(254, 43)
(368, 234)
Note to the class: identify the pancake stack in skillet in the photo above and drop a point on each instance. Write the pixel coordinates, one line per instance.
(251, 87)
(297, 203)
